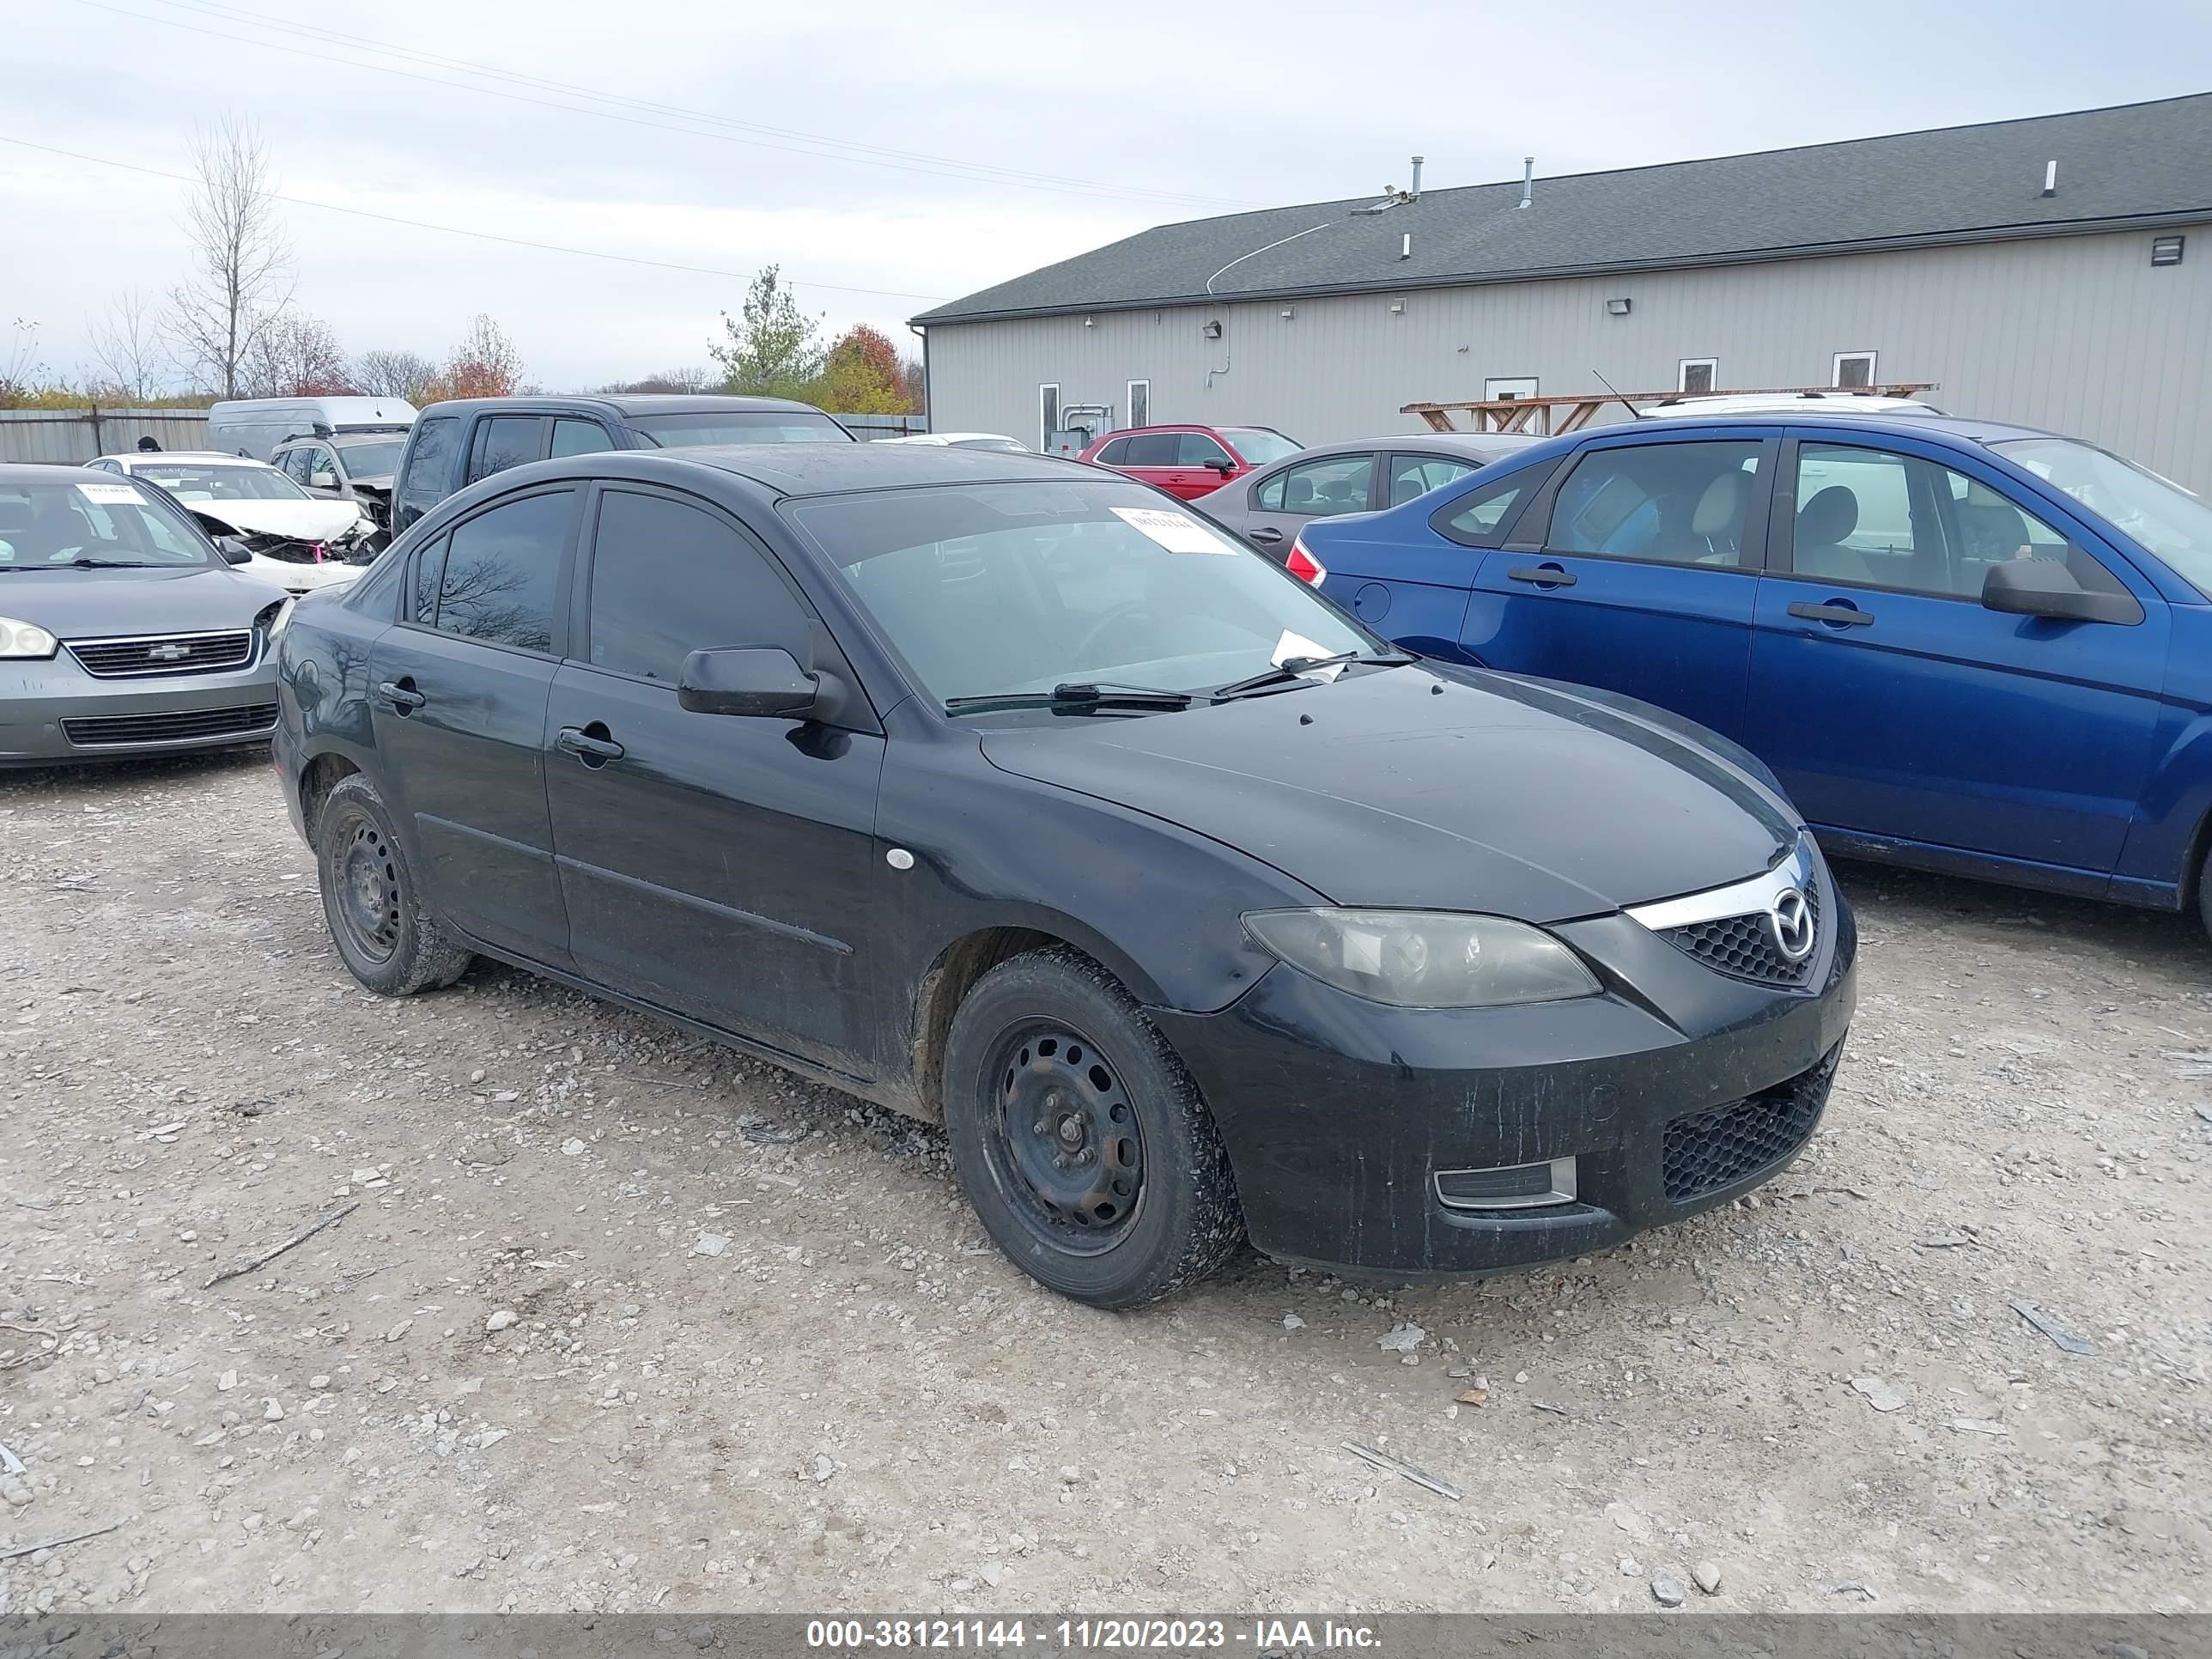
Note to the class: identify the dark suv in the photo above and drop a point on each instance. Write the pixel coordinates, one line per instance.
(455, 444)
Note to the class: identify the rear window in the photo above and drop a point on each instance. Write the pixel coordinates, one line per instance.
(740, 426)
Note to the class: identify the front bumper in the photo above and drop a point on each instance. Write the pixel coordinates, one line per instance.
(53, 712)
(1675, 1091)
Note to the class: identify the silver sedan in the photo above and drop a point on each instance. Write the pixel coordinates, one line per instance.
(1362, 475)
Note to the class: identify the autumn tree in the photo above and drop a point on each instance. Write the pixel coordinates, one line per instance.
(406, 374)
(484, 365)
(241, 278)
(670, 380)
(861, 375)
(297, 355)
(916, 379)
(770, 349)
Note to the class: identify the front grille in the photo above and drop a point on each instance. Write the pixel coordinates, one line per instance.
(1743, 947)
(115, 731)
(164, 653)
(1706, 1150)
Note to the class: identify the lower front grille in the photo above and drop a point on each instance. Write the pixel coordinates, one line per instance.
(1704, 1151)
(118, 731)
(1744, 947)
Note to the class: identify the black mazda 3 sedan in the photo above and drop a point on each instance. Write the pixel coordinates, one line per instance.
(1013, 795)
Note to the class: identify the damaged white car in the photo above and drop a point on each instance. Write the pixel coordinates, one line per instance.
(297, 541)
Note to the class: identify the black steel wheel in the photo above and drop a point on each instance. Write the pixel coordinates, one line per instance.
(1079, 1137)
(388, 939)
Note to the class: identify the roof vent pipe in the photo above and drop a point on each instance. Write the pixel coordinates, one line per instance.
(2050, 179)
(1416, 189)
(1528, 181)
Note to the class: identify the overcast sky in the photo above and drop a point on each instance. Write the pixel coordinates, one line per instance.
(893, 153)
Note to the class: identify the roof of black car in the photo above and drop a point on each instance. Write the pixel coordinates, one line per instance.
(623, 404)
(41, 472)
(818, 469)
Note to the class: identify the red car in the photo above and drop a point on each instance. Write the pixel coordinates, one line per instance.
(1190, 460)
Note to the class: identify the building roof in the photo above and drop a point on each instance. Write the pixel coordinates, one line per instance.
(2131, 165)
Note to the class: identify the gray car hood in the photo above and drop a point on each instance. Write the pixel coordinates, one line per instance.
(1433, 788)
(81, 605)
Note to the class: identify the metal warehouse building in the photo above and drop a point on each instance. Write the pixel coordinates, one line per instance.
(2056, 271)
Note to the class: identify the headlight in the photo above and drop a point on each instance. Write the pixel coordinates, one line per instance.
(20, 639)
(277, 622)
(1424, 958)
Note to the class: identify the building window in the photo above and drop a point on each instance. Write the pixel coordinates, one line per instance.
(1140, 403)
(1854, 368)
(1047, 416)
(1696, 373)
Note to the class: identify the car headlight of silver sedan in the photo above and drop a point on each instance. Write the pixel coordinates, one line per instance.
(20, 639)
(1424, 958)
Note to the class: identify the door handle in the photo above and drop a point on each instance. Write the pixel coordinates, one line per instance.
(587, 746)
(401, 695)
(1543, 575)
(1268, 534)
(1836, 615)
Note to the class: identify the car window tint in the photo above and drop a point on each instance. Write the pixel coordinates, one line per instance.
(430, 463)
(1115, 453)
(1152, 449)
(429, 570)
(579, 438)
(1323, 488)
(293, 464)
(670, 579)
(1882, 518)
(1413, 476)
(503, 442)
(1476, 516)
(1682, 503)
(502, 570)
(1196, 449)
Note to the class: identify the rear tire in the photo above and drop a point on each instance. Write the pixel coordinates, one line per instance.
(1080, 1138)
(385, 935)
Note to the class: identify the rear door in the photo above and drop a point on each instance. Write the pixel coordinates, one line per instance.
(1276, 506)
(720, 866)
(1638, 572)
(457, 692)
(1894, 706)
(501, 441)
(1151, 457)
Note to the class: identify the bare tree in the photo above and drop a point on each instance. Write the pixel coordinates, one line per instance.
(21, 370)
(395, 374)
(670, 379)
(297, 356)
(241, 282)
(127, 346)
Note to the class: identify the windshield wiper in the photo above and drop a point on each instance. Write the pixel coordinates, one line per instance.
(1076, 696)
(110, 564)
(1292, 668)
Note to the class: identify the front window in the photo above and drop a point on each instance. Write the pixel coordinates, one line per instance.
(1011, 588)
(374, 460)
(101, 521)
(2171, 521)
(1260, 446)
(740, 426)
(196, 481)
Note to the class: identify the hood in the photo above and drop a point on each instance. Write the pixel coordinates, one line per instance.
(305, 521)
(297, 578)
(1431, 788)
(79, 605)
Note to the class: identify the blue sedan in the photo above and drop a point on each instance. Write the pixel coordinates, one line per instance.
(1962, 647)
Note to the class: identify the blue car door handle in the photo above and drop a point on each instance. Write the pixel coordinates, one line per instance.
(1543, 575)
(1836, 615)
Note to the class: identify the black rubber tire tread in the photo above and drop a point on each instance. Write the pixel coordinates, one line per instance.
(425, 959)
(1191, 1223)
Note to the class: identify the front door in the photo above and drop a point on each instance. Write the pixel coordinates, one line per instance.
(1642, 580)
(457, 692)
(1894, 706)
(721, 867)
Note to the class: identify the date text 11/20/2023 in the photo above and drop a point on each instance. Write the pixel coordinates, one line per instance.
(1255, 1636)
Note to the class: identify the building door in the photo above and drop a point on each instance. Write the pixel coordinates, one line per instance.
(1510, 387)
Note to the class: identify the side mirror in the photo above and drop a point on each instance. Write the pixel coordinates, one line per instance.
(1225, 467)
(322, 481)
(234, 550)
(2047, 588)
(763, 681)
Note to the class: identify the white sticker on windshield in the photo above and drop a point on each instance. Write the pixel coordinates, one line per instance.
(1298, 645)
(1178, 533)
(109, 494)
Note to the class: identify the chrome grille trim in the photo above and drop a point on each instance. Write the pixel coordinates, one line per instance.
(141, 656)
(1755, 896)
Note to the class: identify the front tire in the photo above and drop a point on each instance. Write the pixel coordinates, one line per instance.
(1080, 1138)
(385, 935)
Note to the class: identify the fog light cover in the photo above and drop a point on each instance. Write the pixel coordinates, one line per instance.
(1507, 1187)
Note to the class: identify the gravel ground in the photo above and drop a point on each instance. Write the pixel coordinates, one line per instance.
(624, 1320)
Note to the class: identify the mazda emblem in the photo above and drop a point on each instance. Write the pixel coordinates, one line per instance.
(1792, 918)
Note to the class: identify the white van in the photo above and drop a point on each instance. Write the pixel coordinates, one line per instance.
(254, 426)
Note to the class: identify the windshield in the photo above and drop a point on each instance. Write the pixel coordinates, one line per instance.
(740, 426)
(106, 520)
(1258, 445)
(372, 460)
(201, 481)
(2164, 517)
(991, 589)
